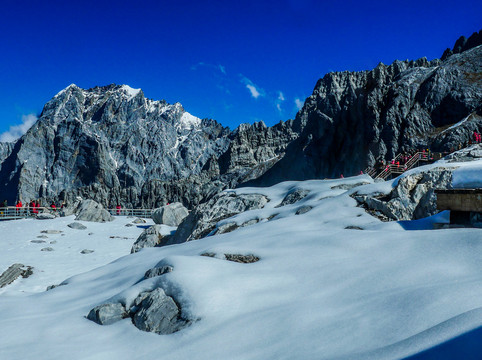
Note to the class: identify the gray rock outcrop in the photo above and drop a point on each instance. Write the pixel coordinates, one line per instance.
(412, 198)
(107, 314)
(202, 221)
(13, 273)
(172, 214)
(89, 210)
(150, 237)
(293, 196)
(159, 313)
(76, 225)
(45, 216)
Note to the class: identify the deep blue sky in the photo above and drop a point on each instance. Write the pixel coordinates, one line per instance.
(214, 57)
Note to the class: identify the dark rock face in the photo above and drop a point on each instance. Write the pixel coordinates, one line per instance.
(5, 150)
(352, 119)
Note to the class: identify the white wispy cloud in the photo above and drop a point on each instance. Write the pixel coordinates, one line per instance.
(16, 131)
(279, 100)
(255, 91)
(219, 67)
(299, 103)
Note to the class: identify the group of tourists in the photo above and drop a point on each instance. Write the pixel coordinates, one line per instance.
(32, 207)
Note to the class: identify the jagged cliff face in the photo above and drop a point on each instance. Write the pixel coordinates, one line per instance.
(113, 145)
(354, 118)
(116, 146)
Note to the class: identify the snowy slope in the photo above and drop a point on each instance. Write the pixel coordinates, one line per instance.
(321, 289)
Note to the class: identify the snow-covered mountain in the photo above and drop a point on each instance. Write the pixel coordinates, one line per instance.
(306, 274)
(114, 145)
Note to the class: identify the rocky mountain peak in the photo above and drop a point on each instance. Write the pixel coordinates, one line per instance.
(462, 44)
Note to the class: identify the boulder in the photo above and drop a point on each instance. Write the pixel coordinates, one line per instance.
(412, 198)
(107, 314)
(303, 210)
(172, 214)
(158, 271)
(149, 238)
(13, 273)
(45, 216)
(89, 210)
(78, 226)
(202, 221)
(139, 221)
(293, 196)
(159, 313)
(51, 232)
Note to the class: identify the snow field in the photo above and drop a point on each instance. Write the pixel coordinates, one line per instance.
(319, 291)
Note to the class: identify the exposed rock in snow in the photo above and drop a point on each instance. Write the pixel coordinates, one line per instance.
(303, 210)
(243, 259)
(51, 231)
(413, 197)
(87, 251)
(45, 216)
(293, 197)
(47, 249)
(89, 210)
(159, 313)
(158, 271)
(76, 225)
(107, 314)
(149, 238)
(13, 273)
(138, 221)
(172, 214)
(203, 219)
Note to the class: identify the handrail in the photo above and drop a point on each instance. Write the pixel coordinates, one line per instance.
(396, 168)
(25, 212)
(131, 212)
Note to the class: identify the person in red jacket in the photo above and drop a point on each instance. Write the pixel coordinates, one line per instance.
(18, 206)
(118, 207)
(53, 207)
